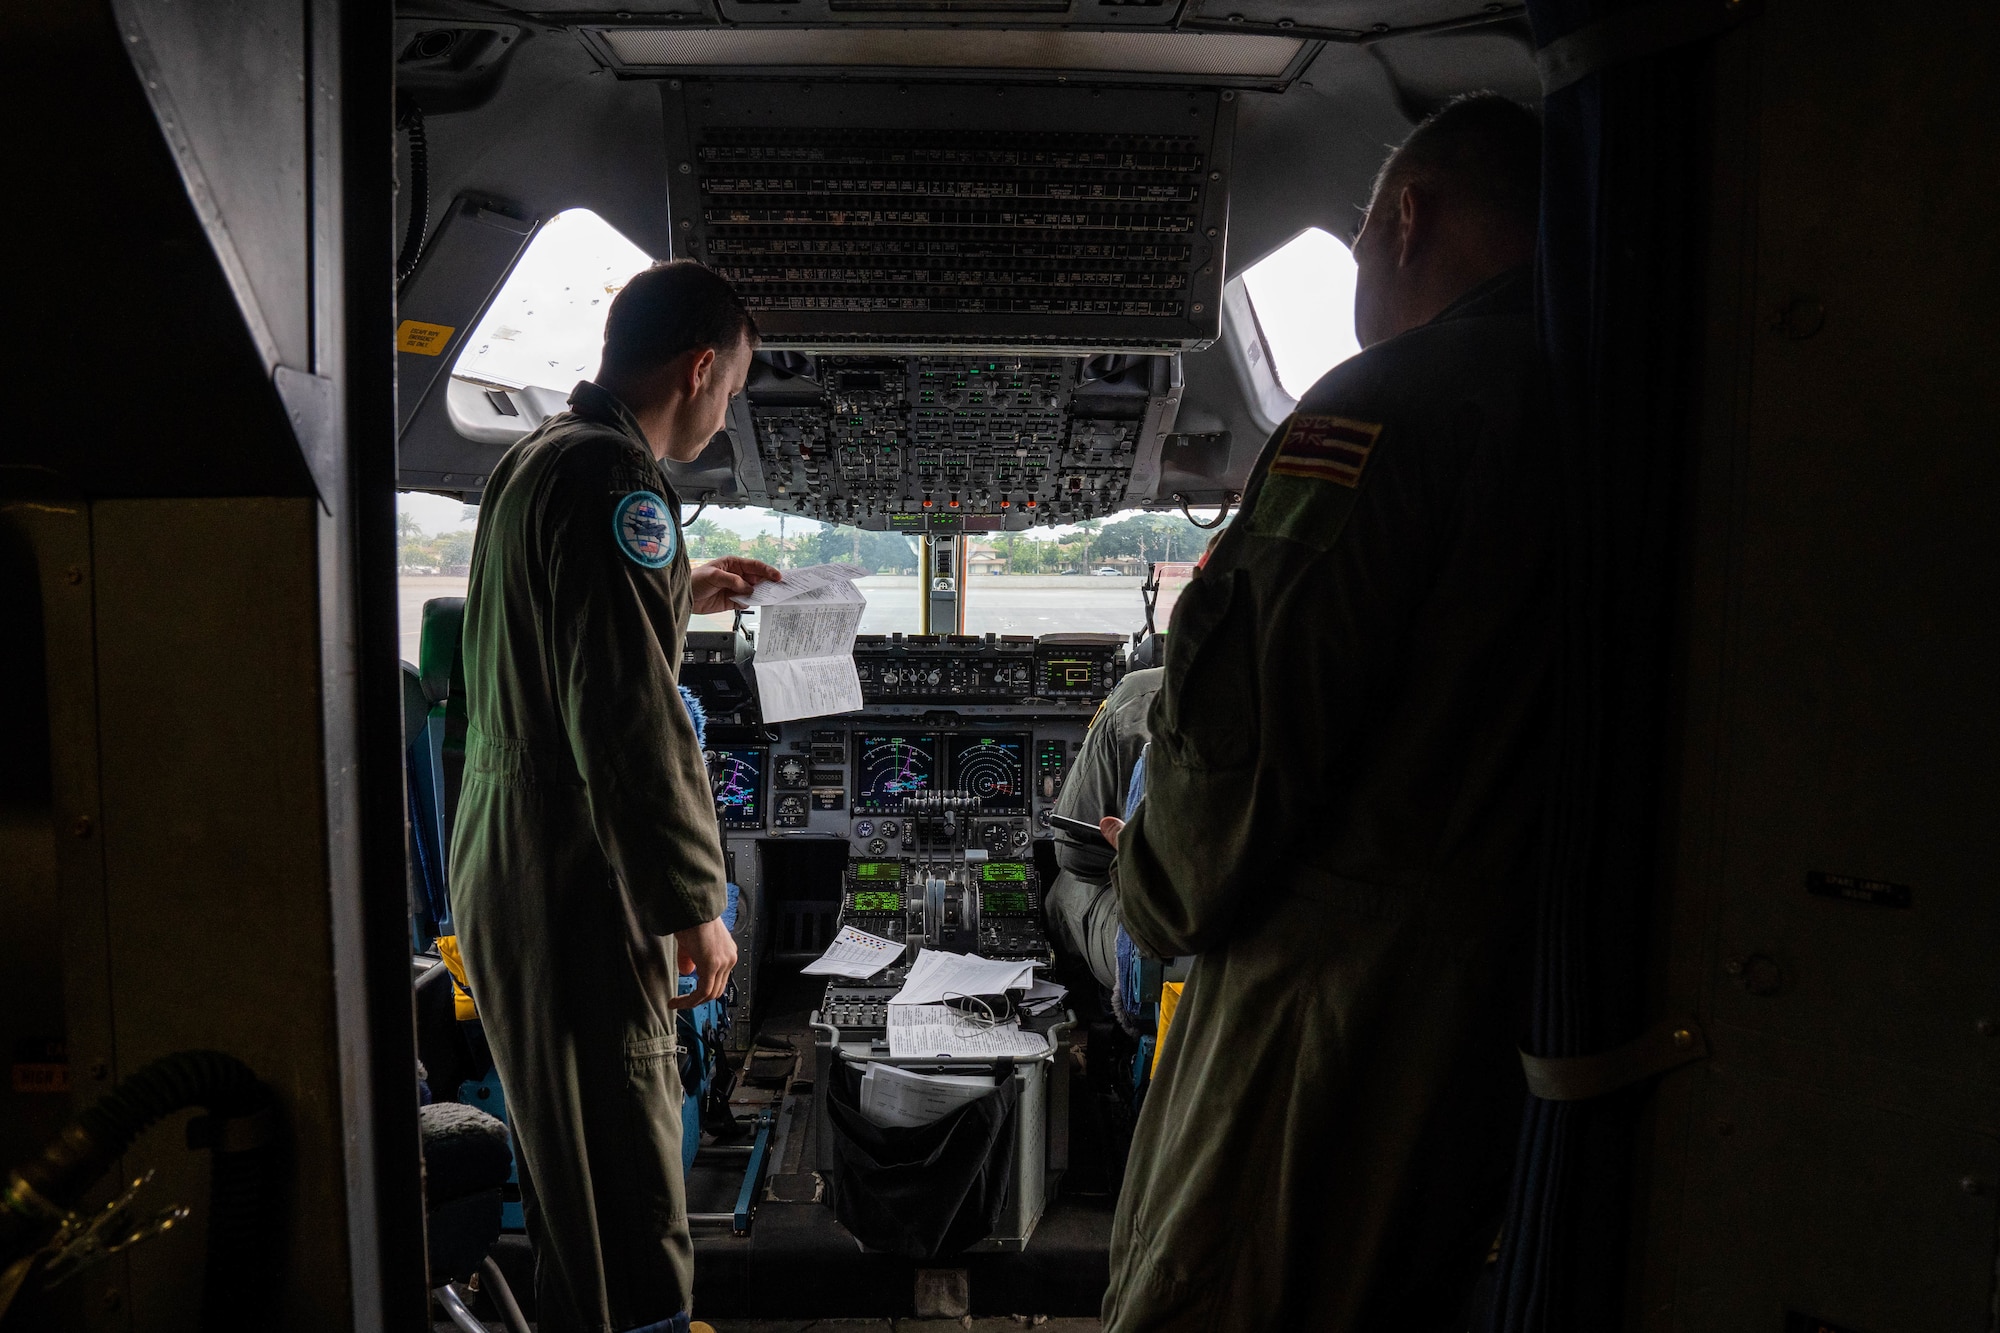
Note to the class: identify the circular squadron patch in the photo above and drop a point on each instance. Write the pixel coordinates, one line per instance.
(645, 529)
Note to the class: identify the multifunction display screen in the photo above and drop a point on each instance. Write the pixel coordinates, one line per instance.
(877, 900)
(889, 767)
(992, 768)
(736, 777)
(1068, 675)
(1014, 871)
(878, 870)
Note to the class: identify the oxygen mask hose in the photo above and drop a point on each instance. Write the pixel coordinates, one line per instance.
(40, 1195)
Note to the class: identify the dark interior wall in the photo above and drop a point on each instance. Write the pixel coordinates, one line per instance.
(1839, 1155)
(208, 500)
(213, 839)
(33, 1102)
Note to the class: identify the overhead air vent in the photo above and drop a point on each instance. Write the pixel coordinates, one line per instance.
(1092, 236)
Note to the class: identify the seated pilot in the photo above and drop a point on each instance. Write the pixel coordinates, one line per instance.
(1082, 906)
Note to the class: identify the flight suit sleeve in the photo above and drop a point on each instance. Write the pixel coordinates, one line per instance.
(1275, 654)
(612, 621)
(1090, 792)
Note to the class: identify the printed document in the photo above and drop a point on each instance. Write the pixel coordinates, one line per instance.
(805, 642)
(799, 582)
(854, 953)
(921, 1031)
(937, 974)
(900, 1099)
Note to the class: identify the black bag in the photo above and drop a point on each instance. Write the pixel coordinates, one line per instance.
(925, 1192)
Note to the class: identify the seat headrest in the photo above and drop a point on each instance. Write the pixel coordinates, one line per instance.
(416, 705)
(439, 666)
(1150, 651)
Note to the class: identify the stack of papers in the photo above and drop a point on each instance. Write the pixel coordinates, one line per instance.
(1042, 997)
(899, 1099)
(805, 642)
(854, 953)
(936, 974)
(922, 1027)
(927, 1031)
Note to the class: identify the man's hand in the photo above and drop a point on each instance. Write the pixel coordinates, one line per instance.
(719, 582)
(709, 953)
(1109, 826)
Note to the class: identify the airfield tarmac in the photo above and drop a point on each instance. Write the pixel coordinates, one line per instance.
(995, 604)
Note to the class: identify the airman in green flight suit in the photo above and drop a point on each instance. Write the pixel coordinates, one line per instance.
(586, 865)
(1343, 793)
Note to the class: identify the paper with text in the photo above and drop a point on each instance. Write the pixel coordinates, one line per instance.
(854, 953)
(921, 1031)
(902, 1099)
(937, 974)
(805, 643)
(799, 582)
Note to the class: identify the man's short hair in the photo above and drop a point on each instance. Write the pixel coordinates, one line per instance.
(1480, 152)
(669, 309)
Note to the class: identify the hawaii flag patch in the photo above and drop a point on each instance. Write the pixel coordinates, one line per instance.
(1331, 449)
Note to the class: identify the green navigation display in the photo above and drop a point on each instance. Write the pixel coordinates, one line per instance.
(994, 902)
(1006, 870)
(877, 900)
(879, 870)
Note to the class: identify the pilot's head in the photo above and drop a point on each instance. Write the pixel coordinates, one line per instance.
(1455, 205)
(677, 348)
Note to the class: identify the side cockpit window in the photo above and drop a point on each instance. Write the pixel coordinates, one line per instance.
(1303, 296)
(545, 329)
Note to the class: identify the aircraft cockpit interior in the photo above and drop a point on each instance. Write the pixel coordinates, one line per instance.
(1669, 565)
(997, 270)
(997, 276)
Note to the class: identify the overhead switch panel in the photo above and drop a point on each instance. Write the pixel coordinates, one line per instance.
(953, 443)
(1009, 229)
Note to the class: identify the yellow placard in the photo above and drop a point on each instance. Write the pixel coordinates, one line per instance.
(413, 335)
(1170, 1000)
(462, 1006)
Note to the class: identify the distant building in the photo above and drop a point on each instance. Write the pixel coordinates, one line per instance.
(981, 558)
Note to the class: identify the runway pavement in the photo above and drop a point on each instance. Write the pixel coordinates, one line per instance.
(995, 604)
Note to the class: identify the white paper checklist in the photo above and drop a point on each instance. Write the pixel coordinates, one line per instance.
(854, 953)
(805, 642)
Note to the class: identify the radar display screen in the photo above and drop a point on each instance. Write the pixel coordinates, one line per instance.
(736, 777)
(1006, 870)
(992, 768)
(996, 903)
(878, 870)
(890, 767)
(877, 900)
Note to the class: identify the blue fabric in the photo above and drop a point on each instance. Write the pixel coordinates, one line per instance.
(698, 714)
(729, 909)
(426, 839)
(1126, 1003)
(1621, 193)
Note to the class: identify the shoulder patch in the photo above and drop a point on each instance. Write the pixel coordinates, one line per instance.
(645, 529)
(1331, 449)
